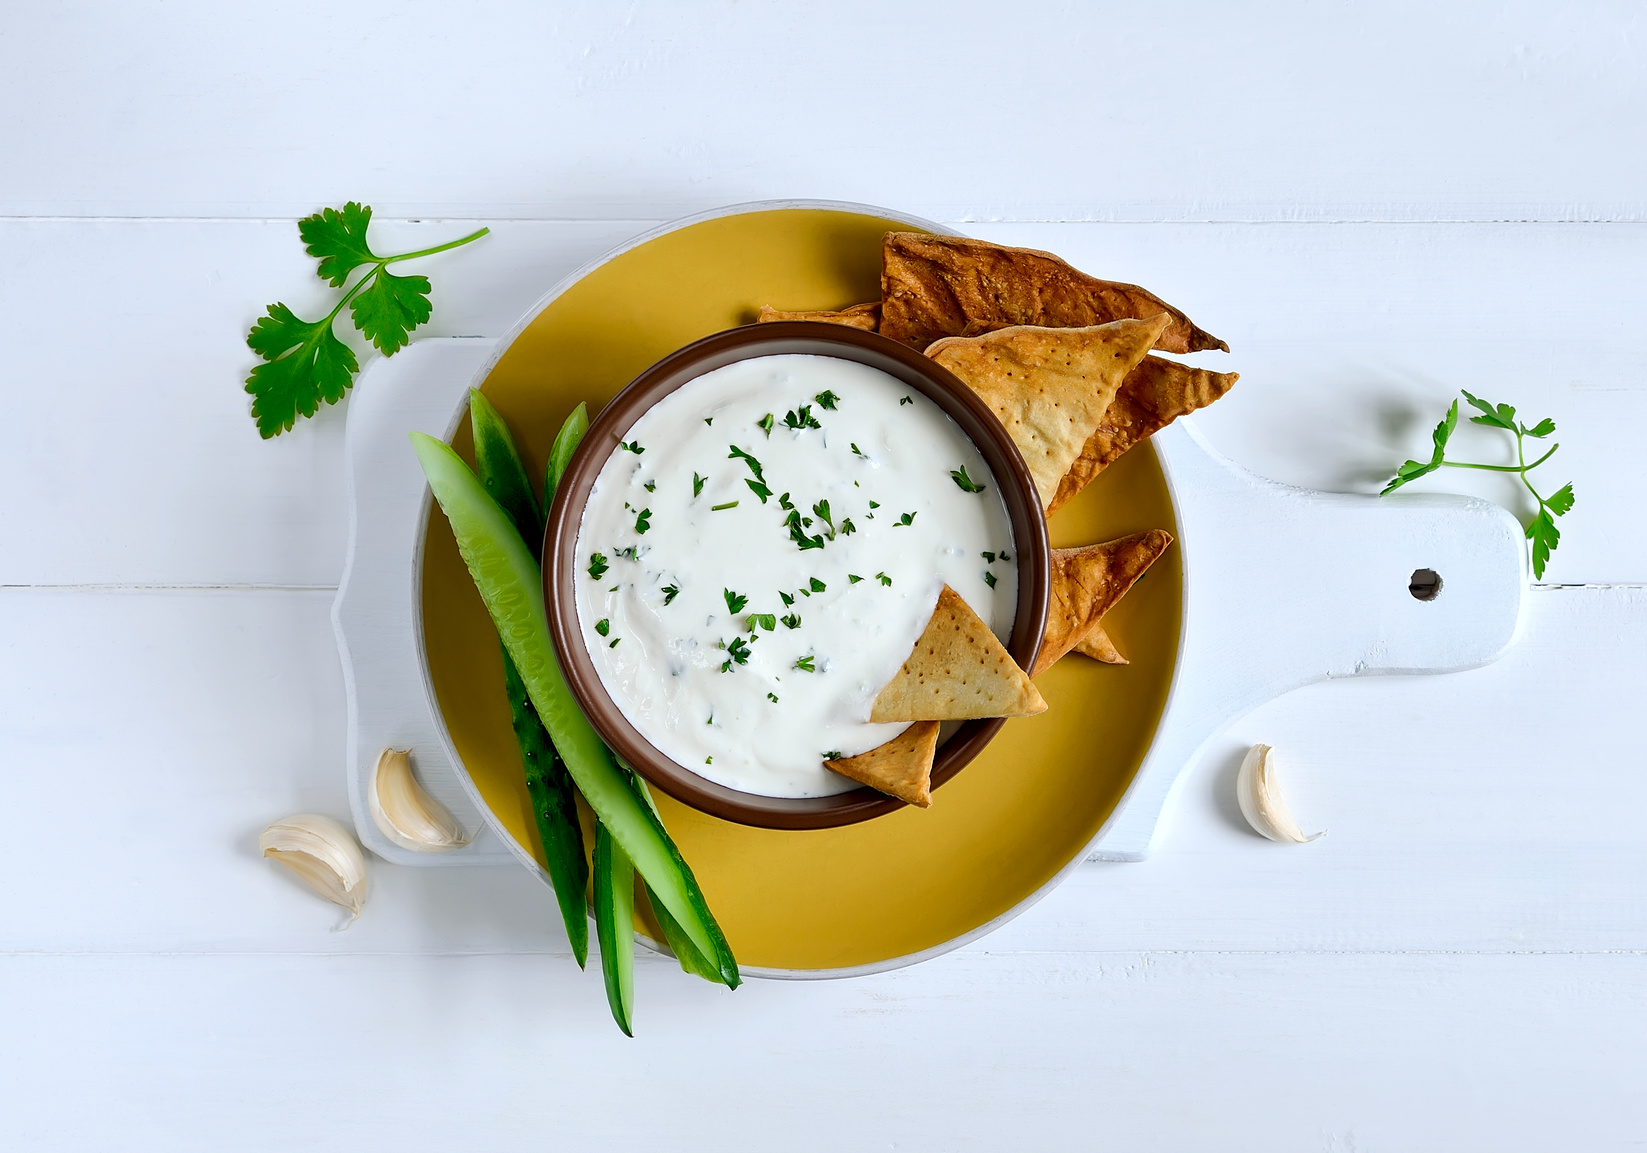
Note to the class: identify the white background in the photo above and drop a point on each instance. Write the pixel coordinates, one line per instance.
(1375, 205)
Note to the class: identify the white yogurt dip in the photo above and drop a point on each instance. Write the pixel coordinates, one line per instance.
(747, 638)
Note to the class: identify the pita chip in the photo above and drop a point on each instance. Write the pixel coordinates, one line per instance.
(1086, 582)
(937, 286)
(865, 316)
(1099, 647)
(957, 671)
(1153, 395)
(1050, 387)
(900, 768)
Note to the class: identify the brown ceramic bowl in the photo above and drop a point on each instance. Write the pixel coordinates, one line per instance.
(612, 425)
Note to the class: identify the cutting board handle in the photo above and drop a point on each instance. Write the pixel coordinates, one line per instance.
(1285, 586)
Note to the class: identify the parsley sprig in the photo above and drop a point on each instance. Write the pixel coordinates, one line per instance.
(304, 364)
(1541, 530)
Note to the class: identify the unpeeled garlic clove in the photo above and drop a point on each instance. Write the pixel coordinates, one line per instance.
(1259, 793)
(407, 814)
(322, 852)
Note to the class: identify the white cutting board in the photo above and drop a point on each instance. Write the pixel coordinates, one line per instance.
(1282, 587)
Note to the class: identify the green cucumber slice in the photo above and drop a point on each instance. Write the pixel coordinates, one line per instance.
(680, 944)
(615, 926)
(499, 468)
(509, 584)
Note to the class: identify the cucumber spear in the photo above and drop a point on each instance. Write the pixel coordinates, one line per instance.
(510, 584)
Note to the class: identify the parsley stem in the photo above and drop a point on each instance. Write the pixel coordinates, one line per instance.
(1521, 468)
(437, 248)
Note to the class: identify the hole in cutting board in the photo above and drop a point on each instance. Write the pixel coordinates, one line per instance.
(1425, 584)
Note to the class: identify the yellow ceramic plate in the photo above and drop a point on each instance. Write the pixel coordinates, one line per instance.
(891, 890)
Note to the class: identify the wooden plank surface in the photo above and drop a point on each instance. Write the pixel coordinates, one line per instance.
(1375, 206)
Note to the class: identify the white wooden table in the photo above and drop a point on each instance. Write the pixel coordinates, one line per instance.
(1375, 205)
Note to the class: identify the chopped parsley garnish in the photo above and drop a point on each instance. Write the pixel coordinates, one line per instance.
(773, 697)
(785, 503)
(791, 621)
(847, 527)
(853, 578)
(906, 400)
(709, 760)
(629, 553)
(597, 565)
(905, 521)
(884, 579)
(738, 650)
(805, 664)
(874, 504)
(734, 601)
(801, 418)
(787, 600)
(989, 579)
(798, 533)
(697, 483)
(604, 626)
(633, 446)
(765, 425)
(719, 507)
(966, 483)
(754, 465)
(614, 643)
(988, 556)
(709, 420)
(670, 592)
(643, 521)
(818, 586)
(859, 451)
(758, 489)
(1006, 557)
(821, 511)
(826, 399)
(832, 755)
(767, 621)
(650, 486)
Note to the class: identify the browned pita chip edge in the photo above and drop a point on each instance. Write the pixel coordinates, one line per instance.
(1086, 582)
(1100, 647)
(957, 671)
(900, 768)
(864, 316)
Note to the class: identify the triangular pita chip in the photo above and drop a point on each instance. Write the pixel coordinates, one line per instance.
(957, 671)
(936, 286)
(1086, 582)
(1153, 395)
(865, 316)
(1099, 647)
(1049, 387)
(900, 768)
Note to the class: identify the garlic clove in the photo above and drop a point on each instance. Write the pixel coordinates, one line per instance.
(322, 852)
(1259, 792)
(406, 813)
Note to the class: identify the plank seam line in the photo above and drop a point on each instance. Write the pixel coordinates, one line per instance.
(651, 221)
(12, 954)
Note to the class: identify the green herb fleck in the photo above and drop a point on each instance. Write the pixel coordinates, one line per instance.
(832, 755)
(628, 552)
(853, 578)
(791, 621)
(785, 503)
(597, 565)
(604, 626)
(643, 521)
(767, 621)
(905, 521)
(738, 650)
(821, 511)
(826, 399)
(787, 599)
(805, 664)
(758, 489)
(884, 579)
(697, 483)
(709, 420)
(614, 643)
(989, 579)
(817, 585)
(801, 418)
(966, 483)
(709, 760)
(988, 556)
(798, 534)
(719, 507)
(765, 425)
(754, 465)
(859, 451)
(633, 446)
(670, 592)
(650, 486)
(874, 504)
(734, 601)
(773, 697)
(906, 400)
(847, 527)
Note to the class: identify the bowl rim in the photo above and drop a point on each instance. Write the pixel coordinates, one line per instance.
(706, 354)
